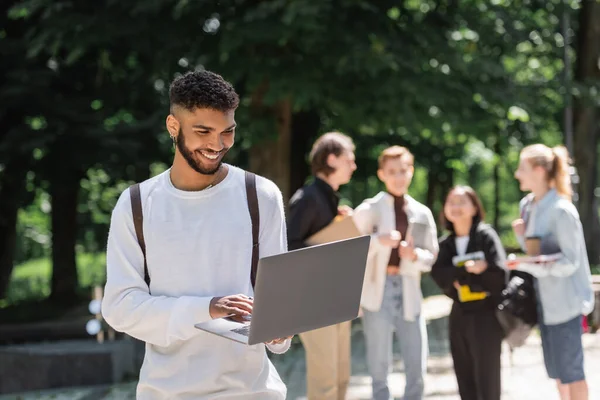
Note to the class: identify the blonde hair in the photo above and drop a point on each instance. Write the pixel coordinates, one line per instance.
(395, 152)
(555, 161)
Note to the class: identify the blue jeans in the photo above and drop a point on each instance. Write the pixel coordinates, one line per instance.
(412, 335)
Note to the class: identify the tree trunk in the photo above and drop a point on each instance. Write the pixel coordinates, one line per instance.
(64, 190)
(272, 158)
(12, 185)
(431, 188)
(586, 119)
(497, 165)
(305, 129)
(447, 182)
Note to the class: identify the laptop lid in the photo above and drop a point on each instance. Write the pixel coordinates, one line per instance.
(309, 288)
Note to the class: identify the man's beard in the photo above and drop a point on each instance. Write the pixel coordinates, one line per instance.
(188, 155)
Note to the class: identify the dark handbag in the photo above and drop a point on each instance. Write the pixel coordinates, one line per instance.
(517, 309)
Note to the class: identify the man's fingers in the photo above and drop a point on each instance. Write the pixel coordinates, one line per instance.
(242, 298)
(241, 303)
(241, 306)
(238, 310)
(279, 341)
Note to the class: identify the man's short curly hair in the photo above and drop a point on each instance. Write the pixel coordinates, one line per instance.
(203, 89)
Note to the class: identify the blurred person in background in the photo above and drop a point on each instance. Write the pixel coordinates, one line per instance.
(563, 287)
(391, 298)
(470, 269)
(311, 208)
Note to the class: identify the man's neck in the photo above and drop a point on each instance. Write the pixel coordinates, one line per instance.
(185, 178)
(398, 195)
(334, 185)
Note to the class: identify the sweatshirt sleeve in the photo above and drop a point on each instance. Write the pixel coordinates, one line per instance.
(426, 257)
(522, 209)
(365, 219)
(569, 236)
(127, 305)
(443, 272)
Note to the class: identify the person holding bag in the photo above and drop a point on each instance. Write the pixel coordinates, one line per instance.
(470, 270)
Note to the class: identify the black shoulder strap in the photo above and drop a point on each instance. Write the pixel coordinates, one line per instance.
(138, 223)
(255, 218)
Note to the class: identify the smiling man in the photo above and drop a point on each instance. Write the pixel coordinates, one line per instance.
(391, 296)
(198, 252)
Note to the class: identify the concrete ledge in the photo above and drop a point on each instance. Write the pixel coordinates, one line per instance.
(66, 363)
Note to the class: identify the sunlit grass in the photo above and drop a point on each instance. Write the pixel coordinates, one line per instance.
(31, 280)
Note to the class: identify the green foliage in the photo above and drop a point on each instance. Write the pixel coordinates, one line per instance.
(31, 280)
(465, 85)
(33, 229)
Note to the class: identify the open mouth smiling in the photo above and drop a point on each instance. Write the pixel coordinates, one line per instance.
(211, 155)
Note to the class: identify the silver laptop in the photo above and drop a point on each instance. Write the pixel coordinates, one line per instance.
(301, 290)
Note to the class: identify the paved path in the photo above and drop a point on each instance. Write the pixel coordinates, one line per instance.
(525, 379)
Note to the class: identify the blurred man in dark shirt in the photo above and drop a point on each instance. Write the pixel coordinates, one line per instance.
(312, 208)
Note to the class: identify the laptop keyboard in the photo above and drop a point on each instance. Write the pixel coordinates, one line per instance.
(244, 330)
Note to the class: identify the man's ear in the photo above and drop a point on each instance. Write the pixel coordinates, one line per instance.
(172, 125)
(380, 174)
(332, 161)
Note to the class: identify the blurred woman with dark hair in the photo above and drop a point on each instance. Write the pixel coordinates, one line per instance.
(470, 270)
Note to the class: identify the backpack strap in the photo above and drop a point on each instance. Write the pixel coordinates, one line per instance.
(255, 218)
(138, 223)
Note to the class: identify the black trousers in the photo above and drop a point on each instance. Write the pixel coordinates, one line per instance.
(476, 346)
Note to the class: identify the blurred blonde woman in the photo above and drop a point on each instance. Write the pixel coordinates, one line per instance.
(563, 287)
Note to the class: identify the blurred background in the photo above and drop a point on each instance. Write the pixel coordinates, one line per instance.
(464, 84)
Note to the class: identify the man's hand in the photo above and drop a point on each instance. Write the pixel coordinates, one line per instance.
(237, 305)
(279, 341)
(390, 239)
(476, 267)
(407, 250)
(345, 210)
(518, 226)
